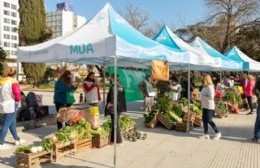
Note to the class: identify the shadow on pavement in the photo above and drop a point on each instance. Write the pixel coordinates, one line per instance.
(8, 161)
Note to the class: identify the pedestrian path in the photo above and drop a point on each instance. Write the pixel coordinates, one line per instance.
(164, 148)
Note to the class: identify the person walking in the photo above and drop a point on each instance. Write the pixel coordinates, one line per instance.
(91, 90)
(148, 92)
(208, 107)
(63, 91)
(249, 92)
(10, 95)
(121, 107)
(257, 121)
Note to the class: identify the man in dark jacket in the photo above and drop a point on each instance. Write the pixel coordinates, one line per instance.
(257, 122)
(148, 91)
(121, 107)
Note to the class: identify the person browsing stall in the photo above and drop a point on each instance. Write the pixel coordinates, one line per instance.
(148, 92)
(208, 107)
(63, 93)
(121, 107)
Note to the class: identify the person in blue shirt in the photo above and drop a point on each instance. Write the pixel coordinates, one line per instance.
(62, 88)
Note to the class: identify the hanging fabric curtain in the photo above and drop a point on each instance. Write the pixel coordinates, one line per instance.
(160, 70)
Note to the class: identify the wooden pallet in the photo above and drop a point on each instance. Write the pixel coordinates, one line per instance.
(182, 127)
(80, 145)
(154, 121)
(31, 160)
(61, 150)
(164, 122)
(197, 121)
(100, 140)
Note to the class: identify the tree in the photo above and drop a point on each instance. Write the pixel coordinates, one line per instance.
(137, 18)
(2, 60)
(248, 40)
(232, 15)
(33, 30)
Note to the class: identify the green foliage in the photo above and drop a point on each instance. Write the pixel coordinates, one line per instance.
(222, 107)
(184, 101)
(33, 30)
(34, 72)
(163, 87)
(163, 104)
(149, 117)
(23, 149)
(2, 60)
(177, 110)
(49, 74)
(47, 144)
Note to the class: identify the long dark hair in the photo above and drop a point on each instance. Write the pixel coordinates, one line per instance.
(65, 77)
(88, 77)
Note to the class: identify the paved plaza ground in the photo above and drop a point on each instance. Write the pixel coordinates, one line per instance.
(162, 148)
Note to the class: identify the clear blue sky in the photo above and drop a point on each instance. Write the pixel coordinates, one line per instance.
(175, 13)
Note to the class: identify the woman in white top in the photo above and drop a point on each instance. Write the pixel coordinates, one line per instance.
(91, 89)
(208, 107)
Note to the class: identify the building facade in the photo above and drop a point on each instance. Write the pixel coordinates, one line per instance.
(9, 23)
(63, 20)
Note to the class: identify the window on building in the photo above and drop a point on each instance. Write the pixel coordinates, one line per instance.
(6, 44)
(14, 29)
(6, 4)
(14, 45)
(6, 12)
(13, 14)
(14, 22)
(6, 36)
(14, 37)
(6, 28)
(7, 20)
(13, 6)
(7, 52)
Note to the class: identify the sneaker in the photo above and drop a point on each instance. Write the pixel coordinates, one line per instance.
(19, 142)
(217, 136)
(250, 113)
(205, 136)
(4, 147)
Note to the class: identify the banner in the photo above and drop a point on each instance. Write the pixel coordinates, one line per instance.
(160, 70)
(130, 79)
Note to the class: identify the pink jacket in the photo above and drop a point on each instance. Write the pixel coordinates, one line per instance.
(249, 88)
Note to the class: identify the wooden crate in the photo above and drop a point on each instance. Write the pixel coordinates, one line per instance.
(197, 121)
(30, 160)
(101, 140)
(80, 145)
(131, 127)
(182, 127)
(164, 122)
(61, 150)
(154, 121)
(192, 117)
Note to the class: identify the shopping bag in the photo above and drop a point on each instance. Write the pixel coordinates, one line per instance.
(70, 97)
(93, 110)
(160, 70)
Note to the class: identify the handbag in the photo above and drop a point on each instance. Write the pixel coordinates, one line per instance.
(70, 97)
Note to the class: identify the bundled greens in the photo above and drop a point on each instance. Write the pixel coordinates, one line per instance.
(47, 144)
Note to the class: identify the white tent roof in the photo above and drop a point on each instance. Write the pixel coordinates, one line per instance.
(168, 38)
(248, 63)
(227, 64)
(98, 41)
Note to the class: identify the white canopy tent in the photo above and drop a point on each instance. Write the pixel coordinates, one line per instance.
(248, 63)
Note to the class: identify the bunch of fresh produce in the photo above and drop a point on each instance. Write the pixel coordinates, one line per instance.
(47, 144)
(177, 110)
(195, 109)
(29, 149)
(149, 117)
(134, 135)
(163, 104)
(222, 107)
(126, 122)
(183, 101)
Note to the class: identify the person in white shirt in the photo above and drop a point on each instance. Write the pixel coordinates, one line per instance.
(175, 90)
(91, 90)
(208, 107)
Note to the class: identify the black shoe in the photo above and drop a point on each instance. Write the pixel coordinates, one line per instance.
(250, 113)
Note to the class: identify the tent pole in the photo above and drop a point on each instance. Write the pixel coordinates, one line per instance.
(115, 108)
(104, 89)
(17, 71)
(188, 121)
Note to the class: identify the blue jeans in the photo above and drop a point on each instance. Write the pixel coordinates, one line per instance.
(9, 122)
(207, 119)
(257, 123)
